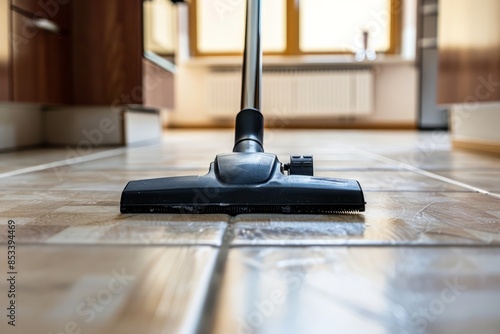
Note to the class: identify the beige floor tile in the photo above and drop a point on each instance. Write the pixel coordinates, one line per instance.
(100, 289)
(10, 161)
(79, 223)
(346, 162)
(157, 162)
(487, 180)
(71, 237)
(396, 180)
(68, 178)
(88, 216)
(360, 290)
(390, 219)
(446, 160)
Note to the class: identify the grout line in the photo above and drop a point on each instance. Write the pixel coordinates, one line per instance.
(209, 309)
(69, 161)
(367, 244)
(416, 191)
(370, 244)
(426, 173)
(110, 244)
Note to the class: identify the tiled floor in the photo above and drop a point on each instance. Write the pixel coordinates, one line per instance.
(423, 258)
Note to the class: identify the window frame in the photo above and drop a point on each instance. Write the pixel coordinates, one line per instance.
(293, 32)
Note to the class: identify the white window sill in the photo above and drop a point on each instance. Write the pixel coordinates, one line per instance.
(300, 61)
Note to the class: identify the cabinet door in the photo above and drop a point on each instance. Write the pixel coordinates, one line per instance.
(40, 62)
(4, 50)
(469, 51)
(107, 52)
(27, 60)
(31, 6)
(57, 64)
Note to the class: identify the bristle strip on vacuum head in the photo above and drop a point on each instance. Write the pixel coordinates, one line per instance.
(241, 209)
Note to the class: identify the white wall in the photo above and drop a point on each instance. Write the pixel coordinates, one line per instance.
(396, 92)
(396, 83)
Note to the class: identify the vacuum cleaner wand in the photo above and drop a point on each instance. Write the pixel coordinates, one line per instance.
(252, 58)
(247, 180)
(249, 127)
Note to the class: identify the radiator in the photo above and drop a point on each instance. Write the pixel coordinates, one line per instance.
(296, 93)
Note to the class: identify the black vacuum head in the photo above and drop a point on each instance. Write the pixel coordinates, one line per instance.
(245, 183)
(248, 180)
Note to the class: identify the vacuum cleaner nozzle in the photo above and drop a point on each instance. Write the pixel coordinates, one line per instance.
(247, 180)
(244, 183)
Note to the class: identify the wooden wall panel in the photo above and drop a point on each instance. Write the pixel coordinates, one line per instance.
(469, 51)
(107, 51)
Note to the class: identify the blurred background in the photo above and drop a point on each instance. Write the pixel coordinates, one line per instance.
(146, 66)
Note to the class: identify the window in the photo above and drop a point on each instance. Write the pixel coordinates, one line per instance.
(296, 26)
(159, 26)
(338, 25)
(220, 25)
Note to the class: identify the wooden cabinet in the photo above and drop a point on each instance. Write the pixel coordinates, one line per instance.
(76, 52)
(469, 51)
(40, 55)
(107, 52)
(27, 69)
(39, 8)
(4, 50)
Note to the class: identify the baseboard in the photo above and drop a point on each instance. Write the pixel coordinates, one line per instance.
(477, 145)
(141, 125)
(475, 127)
(346, 125)
(84, 126)
(28, 125)
(20, 126)
(301, 124)
(101, 126)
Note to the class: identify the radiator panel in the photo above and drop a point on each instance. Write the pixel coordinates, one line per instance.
(296, 93)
